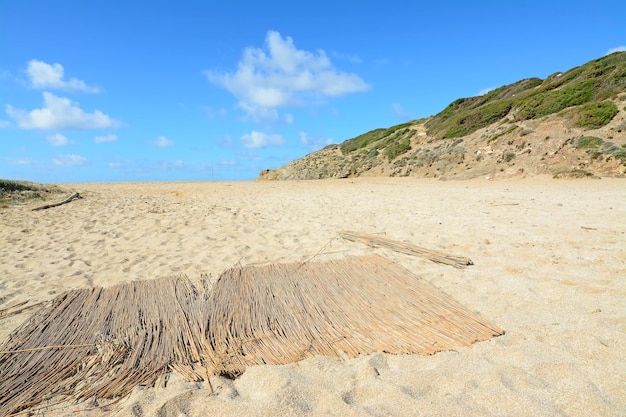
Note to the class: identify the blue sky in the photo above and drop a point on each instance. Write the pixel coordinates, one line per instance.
(205, 90)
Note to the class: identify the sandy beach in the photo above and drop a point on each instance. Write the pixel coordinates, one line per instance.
(549, 268)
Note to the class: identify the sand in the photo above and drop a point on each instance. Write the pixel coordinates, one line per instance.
(550, 269)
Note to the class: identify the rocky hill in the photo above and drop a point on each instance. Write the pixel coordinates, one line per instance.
(570, 124)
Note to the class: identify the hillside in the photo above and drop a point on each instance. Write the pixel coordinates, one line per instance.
(570, 124)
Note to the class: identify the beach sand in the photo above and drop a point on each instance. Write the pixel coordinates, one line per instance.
(550, 269)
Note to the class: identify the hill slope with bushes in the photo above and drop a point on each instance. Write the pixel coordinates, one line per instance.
(570, 124)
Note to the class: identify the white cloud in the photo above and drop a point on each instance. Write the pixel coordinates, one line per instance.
(618, 49)
(4, 123)
(258, 113)
(58, 140)
(314, 142)
(284, 76)
(59, 113)
(260, 140)
(105, 138)
(162, 142)
(69, 160)
(45, 76)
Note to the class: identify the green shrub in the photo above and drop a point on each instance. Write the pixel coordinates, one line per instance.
(595, 115)
(10, 185)
(398, 148)
(362, 141)
(588, 142)
(615, 151)
(506, 132)
(574, 173)
(470, 121)
(553, 101)
(525, 132)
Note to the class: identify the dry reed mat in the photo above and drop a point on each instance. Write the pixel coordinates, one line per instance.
(277, 314)
(407, 248)
(103, 342)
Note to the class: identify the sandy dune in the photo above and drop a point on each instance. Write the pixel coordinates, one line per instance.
(550, 268)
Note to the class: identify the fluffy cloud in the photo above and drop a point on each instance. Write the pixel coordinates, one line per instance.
(618, 49)
(58, 140)
(284, 76)
(59, 113)
(46, 76)
(260, 140)
(69, 160)
(162, 142)
(105, 138)
(314, 142)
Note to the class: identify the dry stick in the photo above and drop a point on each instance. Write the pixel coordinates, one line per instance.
(17, 309)
(67, 200)
(375, 241)
(588, 228)
(318, 252)
(6, 352)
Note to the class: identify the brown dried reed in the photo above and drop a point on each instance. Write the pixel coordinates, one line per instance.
(103, 342)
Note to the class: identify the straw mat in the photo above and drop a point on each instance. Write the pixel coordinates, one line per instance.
(103, 342)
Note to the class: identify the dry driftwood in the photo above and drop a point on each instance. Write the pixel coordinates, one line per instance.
(104, 342)
(381, 242)
(67, 200)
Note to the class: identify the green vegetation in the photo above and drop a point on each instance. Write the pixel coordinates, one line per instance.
(506, 132)
(470, 121)
(586, 94)
(598, 148)
(368, 138)
(553, 101)
(615, 151)
(362, 141)
(533, 98)
(398, 148)
(525, 132)
(574, 173)
(12, 185)
(588, 142)
(595, 115)
(21, 191)
(508, 156)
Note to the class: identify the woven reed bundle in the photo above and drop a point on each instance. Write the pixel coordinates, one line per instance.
(408, 248)
(103, 342)
(278, 314)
